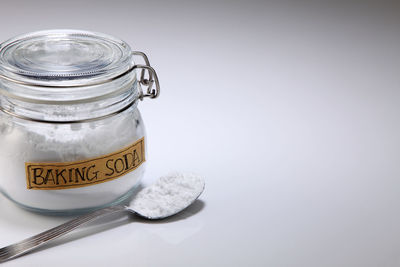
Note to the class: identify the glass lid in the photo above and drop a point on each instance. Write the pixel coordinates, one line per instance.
(64, 58)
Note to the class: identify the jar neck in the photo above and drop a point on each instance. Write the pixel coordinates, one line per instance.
(68, 105)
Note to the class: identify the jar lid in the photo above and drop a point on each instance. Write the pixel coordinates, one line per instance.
(64, 58)
(46, 74)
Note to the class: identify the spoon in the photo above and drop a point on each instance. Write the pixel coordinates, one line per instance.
(168, 196)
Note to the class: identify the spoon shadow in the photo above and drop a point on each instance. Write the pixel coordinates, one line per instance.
(118, 220)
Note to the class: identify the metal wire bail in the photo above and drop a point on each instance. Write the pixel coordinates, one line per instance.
(151, 79)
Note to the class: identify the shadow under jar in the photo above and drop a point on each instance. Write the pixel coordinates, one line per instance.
(71, 136)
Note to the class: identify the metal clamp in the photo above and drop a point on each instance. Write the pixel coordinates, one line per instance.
(150, 81)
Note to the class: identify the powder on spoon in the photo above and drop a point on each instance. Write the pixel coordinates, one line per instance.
(169, 195)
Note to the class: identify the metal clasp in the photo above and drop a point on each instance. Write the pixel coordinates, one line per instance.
(151, 79)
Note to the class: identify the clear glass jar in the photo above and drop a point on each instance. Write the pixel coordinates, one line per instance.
(68, 109)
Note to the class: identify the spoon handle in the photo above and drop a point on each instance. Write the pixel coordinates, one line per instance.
(26, 245)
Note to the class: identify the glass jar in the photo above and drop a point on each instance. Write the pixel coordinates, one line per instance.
(71, 136)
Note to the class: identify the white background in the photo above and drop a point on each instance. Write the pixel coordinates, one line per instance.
(290, 110)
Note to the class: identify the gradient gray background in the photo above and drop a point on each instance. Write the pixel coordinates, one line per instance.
(289, 108)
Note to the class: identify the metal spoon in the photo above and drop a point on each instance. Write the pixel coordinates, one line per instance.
(153, 203)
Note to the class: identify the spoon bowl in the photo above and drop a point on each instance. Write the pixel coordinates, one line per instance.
(168, 196)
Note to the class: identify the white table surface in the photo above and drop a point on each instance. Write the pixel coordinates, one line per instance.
(289, 109)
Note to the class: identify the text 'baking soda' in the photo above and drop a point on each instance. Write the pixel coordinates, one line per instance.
(55, 176)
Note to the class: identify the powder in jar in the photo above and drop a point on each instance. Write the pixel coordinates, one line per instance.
(65, 143)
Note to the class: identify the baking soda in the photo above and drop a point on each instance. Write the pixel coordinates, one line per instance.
(169, 195)
(41, 142)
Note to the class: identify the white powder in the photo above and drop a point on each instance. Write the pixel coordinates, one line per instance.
(169, 195)
(40, 142)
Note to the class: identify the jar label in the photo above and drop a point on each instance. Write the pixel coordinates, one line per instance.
(63, 175)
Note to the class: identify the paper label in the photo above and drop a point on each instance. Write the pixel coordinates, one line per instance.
(63, 175)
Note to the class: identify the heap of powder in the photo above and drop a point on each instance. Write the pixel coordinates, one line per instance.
(169, 195)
